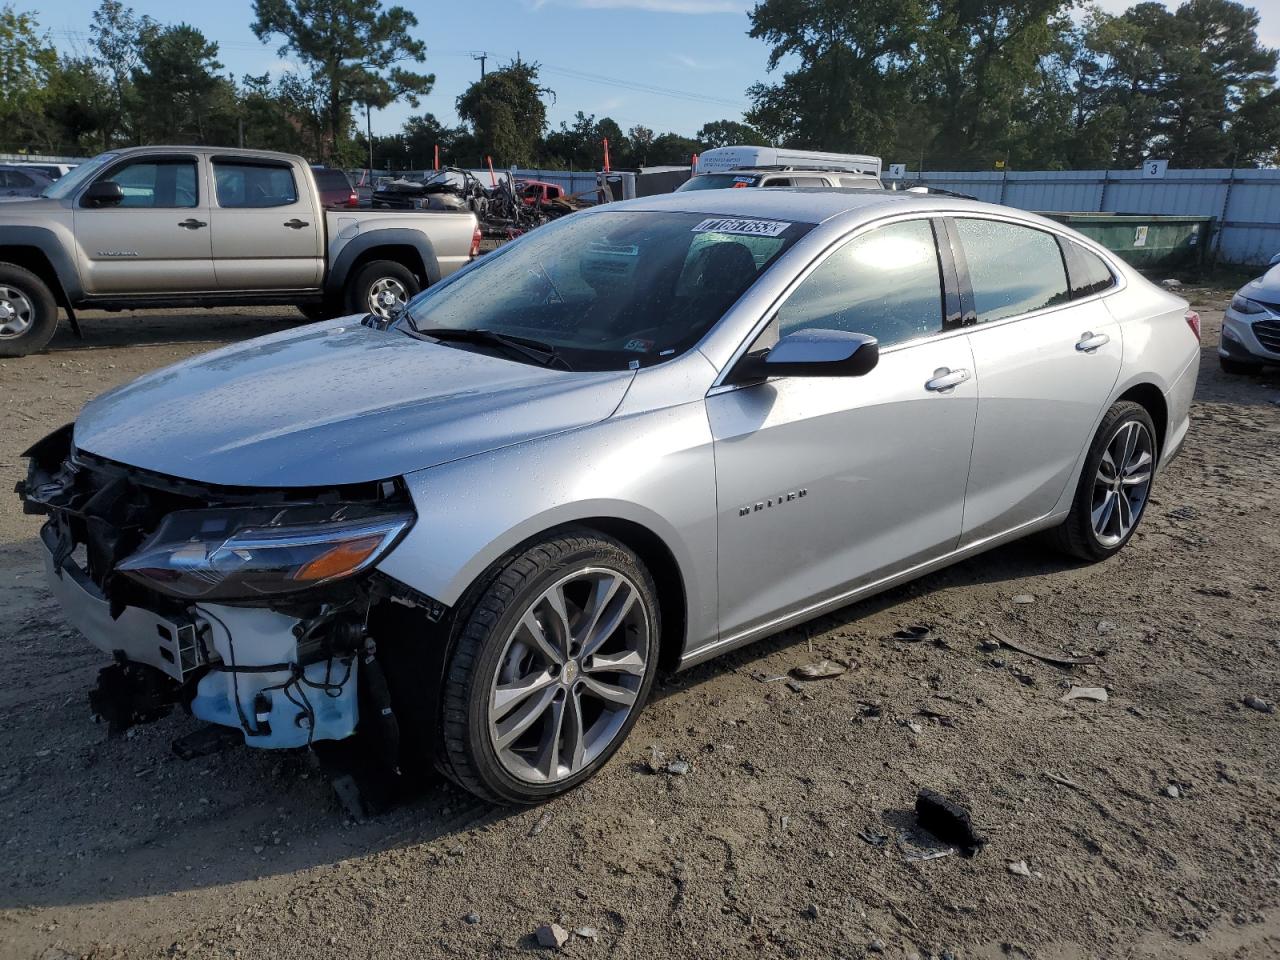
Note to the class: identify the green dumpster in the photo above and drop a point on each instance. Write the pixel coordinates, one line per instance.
(1148, 241)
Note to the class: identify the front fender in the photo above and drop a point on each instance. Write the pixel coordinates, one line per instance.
(47, 242)
(654, 469)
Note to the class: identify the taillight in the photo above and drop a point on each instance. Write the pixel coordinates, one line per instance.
(353, 200)
(475, 242)
(1193, 321)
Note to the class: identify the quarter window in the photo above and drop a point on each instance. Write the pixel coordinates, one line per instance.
(886, 283)
(157, 183)
(1013, 269)
(1087, 272)
(254, 185)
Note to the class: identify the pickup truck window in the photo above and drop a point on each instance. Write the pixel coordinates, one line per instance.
(158, 183)
(254, 185)
(81, 174)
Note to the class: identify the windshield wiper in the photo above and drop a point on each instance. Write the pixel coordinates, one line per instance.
(536, 350)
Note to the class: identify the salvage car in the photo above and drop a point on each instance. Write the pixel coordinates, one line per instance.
(638, 437)
(203, 227)
(1251, 325)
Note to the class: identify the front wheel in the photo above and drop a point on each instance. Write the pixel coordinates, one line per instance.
(1114, 486)
(381, 288)
(552, 666)
(28, 312)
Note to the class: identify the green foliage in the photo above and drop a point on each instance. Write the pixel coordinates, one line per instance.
(729, 133)
(180, 98)
(354, 51)
(506, 111)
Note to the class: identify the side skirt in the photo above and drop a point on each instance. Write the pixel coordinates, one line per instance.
(725, 644)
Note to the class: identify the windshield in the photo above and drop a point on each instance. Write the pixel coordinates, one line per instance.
(71, 182)
(719, 181)
(610, 290)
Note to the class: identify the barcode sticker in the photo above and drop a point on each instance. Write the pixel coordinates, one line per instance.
(750, 228)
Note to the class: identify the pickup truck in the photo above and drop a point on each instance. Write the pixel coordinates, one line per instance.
(209, 226)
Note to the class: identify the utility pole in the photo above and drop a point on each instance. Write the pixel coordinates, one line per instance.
(482, 56)
(368, 126)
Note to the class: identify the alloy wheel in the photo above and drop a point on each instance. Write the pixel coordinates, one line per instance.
(569, 675)
(16, 312)
(1123, 482)
(387, 296)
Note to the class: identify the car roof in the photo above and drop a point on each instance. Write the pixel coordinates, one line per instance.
(208, 151)
(20, 168)
(788, 171)
(808, 205)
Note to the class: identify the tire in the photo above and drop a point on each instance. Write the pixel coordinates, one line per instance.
(1238, 367)
(495, 646)
(28, 312)
(378, 277)
(1079, 535)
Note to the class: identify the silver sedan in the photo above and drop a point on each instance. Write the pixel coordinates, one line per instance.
(636, 438)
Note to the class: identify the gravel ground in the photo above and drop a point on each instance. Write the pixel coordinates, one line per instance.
(1147, 824)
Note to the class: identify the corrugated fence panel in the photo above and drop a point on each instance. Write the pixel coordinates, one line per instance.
(1245, 202)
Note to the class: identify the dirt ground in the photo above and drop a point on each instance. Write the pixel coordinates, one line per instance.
(782, 837)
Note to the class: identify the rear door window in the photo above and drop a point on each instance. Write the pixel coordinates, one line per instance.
(1013, 269)
(249, 185)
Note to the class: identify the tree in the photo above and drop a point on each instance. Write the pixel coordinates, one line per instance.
(506, 112)
(851, 67)
(729, 133)
(27, 65)
(178, 87)
(118, 37)
(353, 51)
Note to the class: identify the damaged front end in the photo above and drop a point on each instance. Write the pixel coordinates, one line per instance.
(252, 608)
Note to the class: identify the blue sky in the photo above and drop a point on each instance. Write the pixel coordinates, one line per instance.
(666, 64)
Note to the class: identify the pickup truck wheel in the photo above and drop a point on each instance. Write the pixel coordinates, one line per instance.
(552, 665)
(382, 288)
(28, 313)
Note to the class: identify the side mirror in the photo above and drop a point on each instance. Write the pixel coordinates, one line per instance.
(103, 193)
(811, 353)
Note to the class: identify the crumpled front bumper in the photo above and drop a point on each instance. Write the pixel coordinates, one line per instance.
(243, 661)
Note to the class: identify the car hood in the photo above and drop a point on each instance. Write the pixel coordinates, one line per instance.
(1265, 289)
(335, 403)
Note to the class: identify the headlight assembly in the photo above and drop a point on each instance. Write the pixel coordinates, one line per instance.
(250, 553)
(1244, 305)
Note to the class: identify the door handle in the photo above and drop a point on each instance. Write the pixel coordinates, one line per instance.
(1089, 341)
(296, 224)
(192, 224)
(944, 379)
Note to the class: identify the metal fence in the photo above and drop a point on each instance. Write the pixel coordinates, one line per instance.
(1246, 203)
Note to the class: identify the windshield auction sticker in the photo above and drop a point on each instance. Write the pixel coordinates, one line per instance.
(750, 228)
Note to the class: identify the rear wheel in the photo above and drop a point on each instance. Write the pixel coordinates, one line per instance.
(555, 661)
(1114, 486)
(28, 313)
(382, 288)
(1241, 367)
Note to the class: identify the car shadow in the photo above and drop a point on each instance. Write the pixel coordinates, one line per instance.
(93, 818)
(102, 329)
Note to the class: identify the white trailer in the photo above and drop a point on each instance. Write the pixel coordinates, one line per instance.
(723, 159)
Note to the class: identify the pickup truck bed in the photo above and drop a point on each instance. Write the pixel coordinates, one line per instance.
(209, 226)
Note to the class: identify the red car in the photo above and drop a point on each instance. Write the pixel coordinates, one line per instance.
(335, 188)
(534, 192)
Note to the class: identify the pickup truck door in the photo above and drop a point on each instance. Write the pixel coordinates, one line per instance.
(268, 227)
(156, 240)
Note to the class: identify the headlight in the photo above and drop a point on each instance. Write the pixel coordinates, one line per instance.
(242, 554)
(1241, 304)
